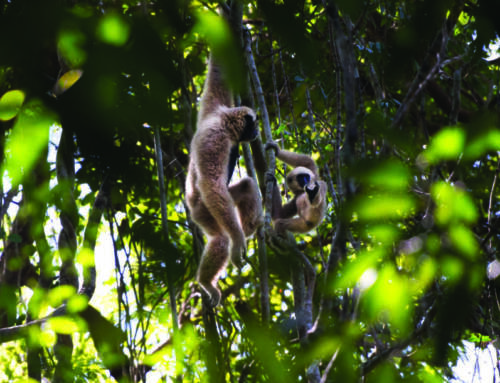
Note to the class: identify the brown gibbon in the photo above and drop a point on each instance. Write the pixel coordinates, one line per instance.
(227, 214)
(307, 208)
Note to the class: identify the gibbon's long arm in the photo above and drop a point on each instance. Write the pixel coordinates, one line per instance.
(279, 210)
(298, 159)
(215, 92)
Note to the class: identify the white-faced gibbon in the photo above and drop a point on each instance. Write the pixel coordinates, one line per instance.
(226, 214)
(307, 208)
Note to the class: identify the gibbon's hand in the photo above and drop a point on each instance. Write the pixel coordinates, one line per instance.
(270, 177)
(274, 146)
(238, 252)
(312, 190)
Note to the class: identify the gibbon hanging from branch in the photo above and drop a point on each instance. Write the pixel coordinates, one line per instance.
(307, 208)
(227, 214)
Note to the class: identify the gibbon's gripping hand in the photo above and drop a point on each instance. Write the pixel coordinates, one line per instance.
(274, 146)
(312, 190)
(270, 177)
(238, 251)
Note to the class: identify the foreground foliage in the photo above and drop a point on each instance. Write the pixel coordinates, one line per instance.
(398, 103)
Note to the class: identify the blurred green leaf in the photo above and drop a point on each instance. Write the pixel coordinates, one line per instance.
(66, 325)
(448, 144)
(453, 205)
(483, 143)
(77, 303)
(452, 268)
(464, 240)
(384, 206)
(355, 268)
(390, 298)
(113, 29)
(59, 294)
(70, 46)
(28, 140)
(10, 104)
(214, 29)
(387, 175)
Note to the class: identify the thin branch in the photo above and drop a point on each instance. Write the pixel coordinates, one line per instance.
(271, 165)
(163, 201)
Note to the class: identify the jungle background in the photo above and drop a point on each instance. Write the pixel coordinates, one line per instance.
(397, 101)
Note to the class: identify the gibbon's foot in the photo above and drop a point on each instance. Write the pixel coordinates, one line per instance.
(211, 295)
(238, 252)
(312, 190)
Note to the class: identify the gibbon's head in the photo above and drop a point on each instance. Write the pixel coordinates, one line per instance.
(298, 178)
(240, 122)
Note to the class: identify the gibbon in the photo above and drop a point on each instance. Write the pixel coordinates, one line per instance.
(307, 208)
(227, 214)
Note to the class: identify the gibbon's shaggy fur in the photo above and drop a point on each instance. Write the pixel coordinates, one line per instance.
(226, 214)
(307, 208)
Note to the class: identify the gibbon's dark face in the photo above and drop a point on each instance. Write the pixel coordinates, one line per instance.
(250, 130)
(303, 179)
(298, 178)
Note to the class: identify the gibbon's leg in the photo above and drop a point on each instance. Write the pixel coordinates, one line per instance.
(245, 195)
(213, 262)
(295, 225)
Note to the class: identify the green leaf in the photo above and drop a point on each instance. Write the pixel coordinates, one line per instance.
(10, 104)
(59, 294)
(448, 144)
(384, 206)
(66, 325)
(113, 29)
(70, 46)
(485, 142)
(453, 205)
(28, 140)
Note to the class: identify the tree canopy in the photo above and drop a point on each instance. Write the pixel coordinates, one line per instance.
(398, 103)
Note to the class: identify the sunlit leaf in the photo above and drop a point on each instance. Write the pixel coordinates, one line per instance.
(464, 240)
(113, 29)
(390, 298)
(353, 270)
(59, 294)
(479, 338)
(28, 140)
(85, 257)
(428, 374)
(10, 104)
(77, 303)
(38, 303)
(489, 141)
(41, 338)
(452, 204)
(70, 46)
(67, 80)
(426, 273)
(390, 175)
(66, 325)
(452, 268)
(382, 233)
(214, 29)
(385, 206)
(448, 144)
